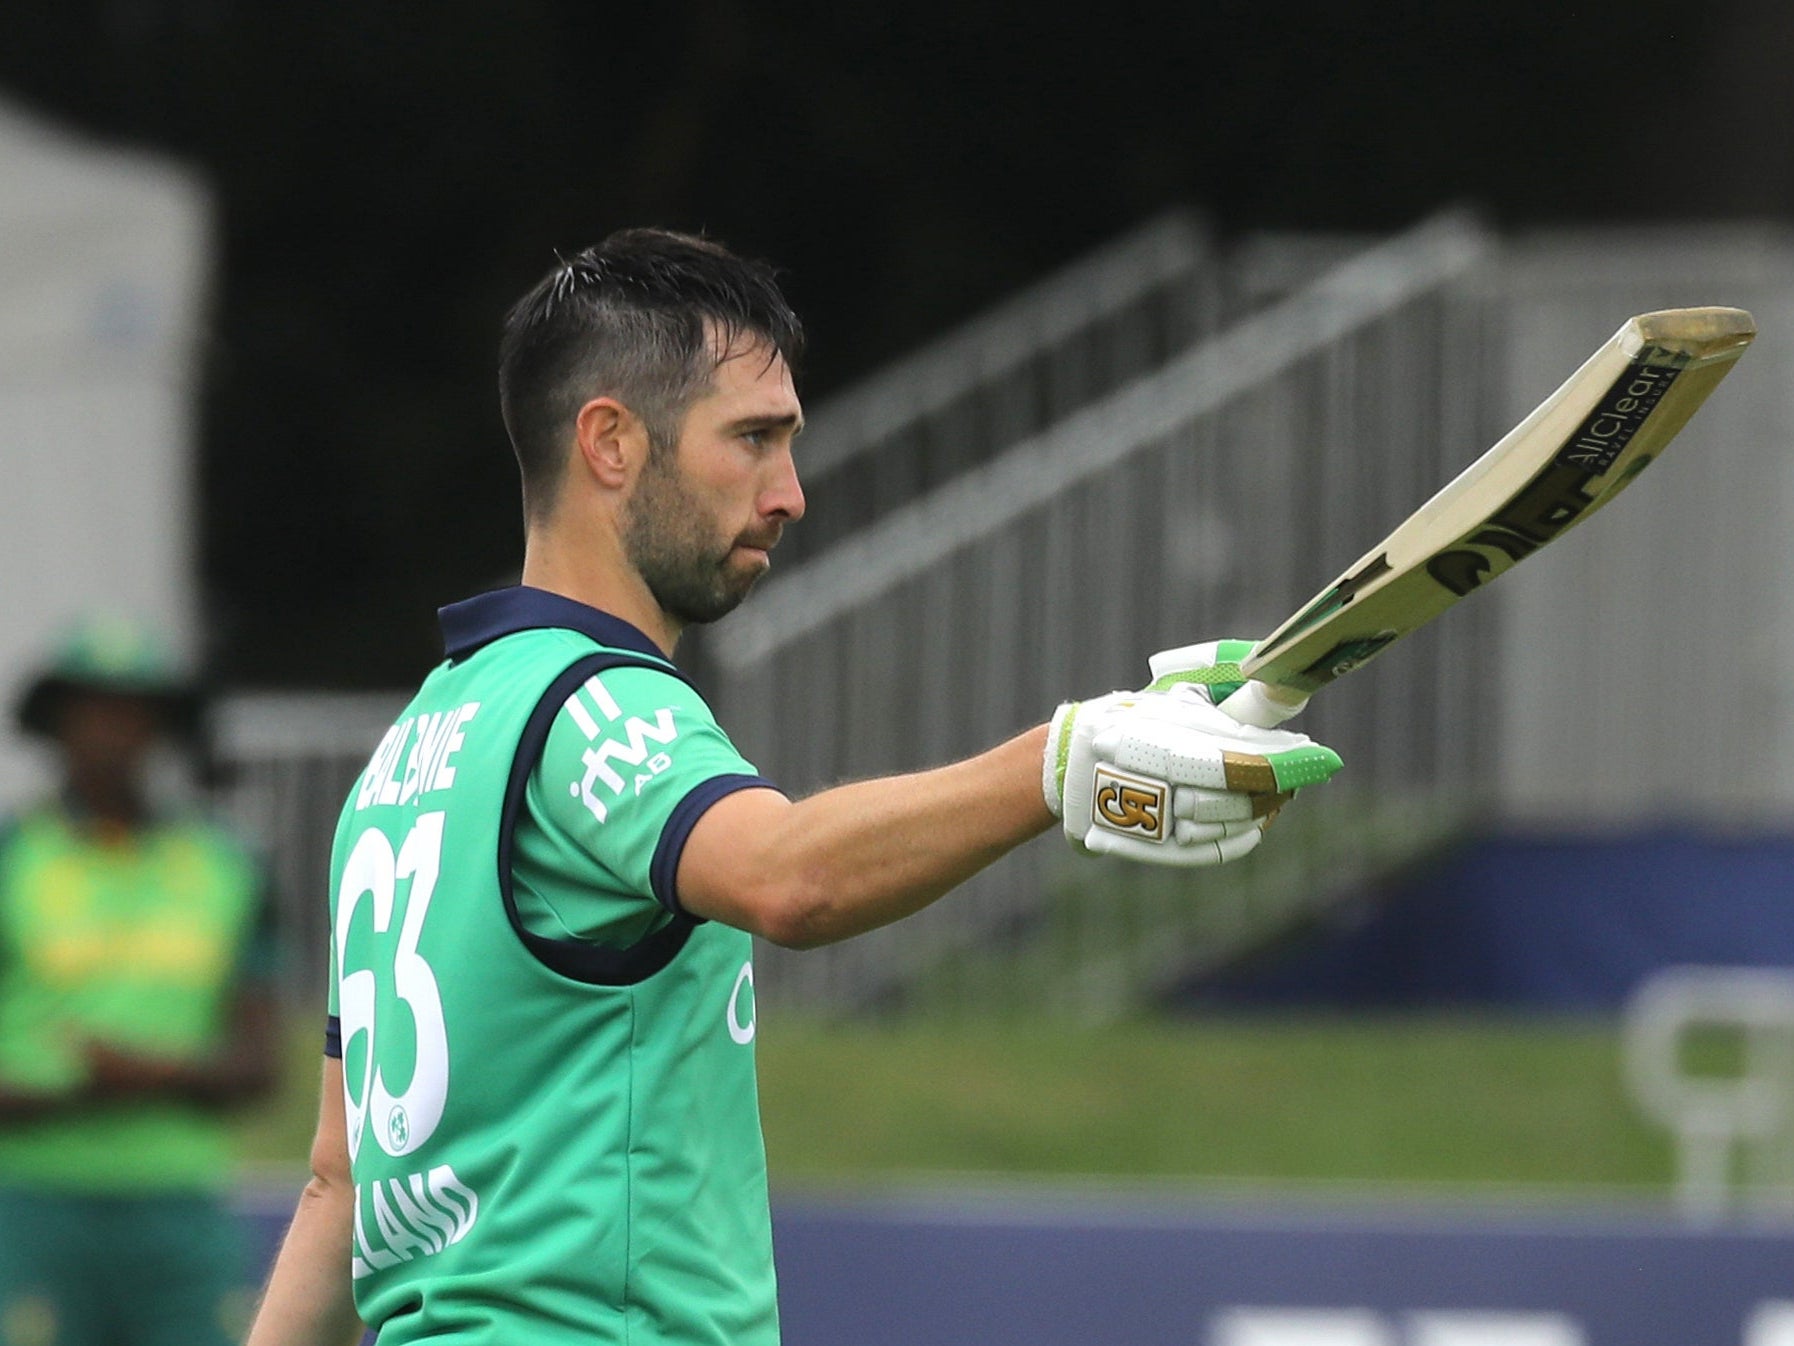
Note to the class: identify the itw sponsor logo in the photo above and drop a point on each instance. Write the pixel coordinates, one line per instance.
(616, 745)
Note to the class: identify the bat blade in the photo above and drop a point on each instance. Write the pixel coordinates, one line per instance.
(1571, 455)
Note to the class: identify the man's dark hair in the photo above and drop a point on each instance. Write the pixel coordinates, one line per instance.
(630, 318)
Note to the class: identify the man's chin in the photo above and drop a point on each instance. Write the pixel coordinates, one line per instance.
(716, 605)
(738, 588)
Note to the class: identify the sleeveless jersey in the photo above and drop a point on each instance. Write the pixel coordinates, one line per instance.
(552, 1140)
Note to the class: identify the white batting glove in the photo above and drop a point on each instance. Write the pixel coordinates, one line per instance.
(1167, 778)
(1211, 671)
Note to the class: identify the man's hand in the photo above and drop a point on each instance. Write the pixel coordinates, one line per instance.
(1211, 671)
(1168, 778)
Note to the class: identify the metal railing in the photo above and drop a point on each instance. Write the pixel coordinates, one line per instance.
(1009, 373)
(1206, 498)
(288, 760)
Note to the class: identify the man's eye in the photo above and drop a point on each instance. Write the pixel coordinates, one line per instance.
(754, 437)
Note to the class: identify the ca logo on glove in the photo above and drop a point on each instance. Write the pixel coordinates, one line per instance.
(1134, 805)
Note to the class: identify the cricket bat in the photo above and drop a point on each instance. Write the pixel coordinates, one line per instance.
(1575, 452)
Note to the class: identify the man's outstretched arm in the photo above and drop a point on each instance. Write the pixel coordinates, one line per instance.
(308, 1301)
(1162, 777)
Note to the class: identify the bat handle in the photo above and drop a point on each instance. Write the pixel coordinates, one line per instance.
(1264, 705)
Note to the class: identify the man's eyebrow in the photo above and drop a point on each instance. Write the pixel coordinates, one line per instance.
(790, 420)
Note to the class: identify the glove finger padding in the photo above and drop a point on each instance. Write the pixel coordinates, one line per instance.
(1191, 833)
(1194, 804)
(1190, 855)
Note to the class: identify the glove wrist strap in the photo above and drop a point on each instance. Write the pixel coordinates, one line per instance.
(1058, 750)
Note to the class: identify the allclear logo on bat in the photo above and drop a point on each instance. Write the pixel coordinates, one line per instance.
(1130, 804)
(1604, 435)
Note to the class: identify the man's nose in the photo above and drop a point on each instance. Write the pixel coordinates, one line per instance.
(784, 496)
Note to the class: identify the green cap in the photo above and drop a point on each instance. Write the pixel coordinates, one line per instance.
(110, 655)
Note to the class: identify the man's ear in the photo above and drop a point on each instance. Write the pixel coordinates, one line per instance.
(612, 441)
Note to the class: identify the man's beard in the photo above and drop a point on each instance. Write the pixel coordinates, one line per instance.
(666, 538)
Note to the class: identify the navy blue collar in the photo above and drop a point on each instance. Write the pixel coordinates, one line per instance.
(480, 620)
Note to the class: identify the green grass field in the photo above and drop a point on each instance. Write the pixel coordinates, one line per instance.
(1449, 1102)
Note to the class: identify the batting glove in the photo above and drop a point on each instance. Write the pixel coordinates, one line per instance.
(1211, 671)
(1170, 779)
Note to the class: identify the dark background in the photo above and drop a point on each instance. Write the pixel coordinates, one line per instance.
(389, 177)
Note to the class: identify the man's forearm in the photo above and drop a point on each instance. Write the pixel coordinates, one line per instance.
(860, 856)
(308, 1301)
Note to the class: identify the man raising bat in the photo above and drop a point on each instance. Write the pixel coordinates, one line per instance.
(539, 1121)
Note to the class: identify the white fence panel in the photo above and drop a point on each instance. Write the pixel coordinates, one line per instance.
(1648, 669)
(1009, 373)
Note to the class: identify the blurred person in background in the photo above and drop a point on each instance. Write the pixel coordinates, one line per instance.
(136, 1007)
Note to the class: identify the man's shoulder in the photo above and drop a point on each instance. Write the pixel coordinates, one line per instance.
(634, 687)
(632, 733)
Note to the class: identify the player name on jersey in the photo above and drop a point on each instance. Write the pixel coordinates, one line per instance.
(433, 740)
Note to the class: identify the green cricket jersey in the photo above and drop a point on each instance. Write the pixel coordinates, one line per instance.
(135, 938)
(548, 1065)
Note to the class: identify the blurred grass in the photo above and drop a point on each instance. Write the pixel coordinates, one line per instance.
(1389, 1100)
(1436, 1100)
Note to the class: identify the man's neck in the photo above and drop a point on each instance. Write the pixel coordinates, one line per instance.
(607, 583)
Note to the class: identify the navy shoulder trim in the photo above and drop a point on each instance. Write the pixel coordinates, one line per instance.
(578, 959)
(333, 1037)
(663, 872)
